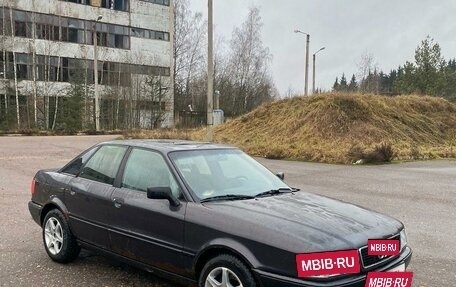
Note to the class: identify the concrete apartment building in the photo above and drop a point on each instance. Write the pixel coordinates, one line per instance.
(52, 38)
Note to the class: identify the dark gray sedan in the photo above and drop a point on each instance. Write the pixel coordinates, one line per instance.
(201, 214)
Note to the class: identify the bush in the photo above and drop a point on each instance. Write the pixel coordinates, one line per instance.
(381, 153)
(275, 153)
(356, 153)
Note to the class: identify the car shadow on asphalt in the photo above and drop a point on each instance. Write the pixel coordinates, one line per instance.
(125, 274)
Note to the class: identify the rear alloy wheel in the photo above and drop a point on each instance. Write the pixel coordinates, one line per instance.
(53, 236)
(59, 243)
(226, 271)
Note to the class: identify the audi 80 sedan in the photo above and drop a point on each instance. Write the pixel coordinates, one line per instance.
(201, 214)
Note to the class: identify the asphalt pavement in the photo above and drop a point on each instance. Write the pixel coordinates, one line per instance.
(420, 194)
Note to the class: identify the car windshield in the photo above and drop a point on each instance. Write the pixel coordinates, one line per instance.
(224, 172)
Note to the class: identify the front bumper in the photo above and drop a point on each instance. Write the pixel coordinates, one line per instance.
(35, 211)
(272, 280)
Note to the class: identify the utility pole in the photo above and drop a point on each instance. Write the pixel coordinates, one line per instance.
(306, 77)
(313, 74)
(210, 72)
(95, 73)
(306, 92)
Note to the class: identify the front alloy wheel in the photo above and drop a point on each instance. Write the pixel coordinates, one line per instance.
(223, 277)
(226, 271)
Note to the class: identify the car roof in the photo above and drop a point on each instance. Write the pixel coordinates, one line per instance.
(169, 145)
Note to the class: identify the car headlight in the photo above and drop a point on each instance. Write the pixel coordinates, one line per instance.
(403, 239)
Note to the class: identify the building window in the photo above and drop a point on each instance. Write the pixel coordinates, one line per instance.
(85, 2)
(102, 39)
(113, 36)
(149, 34)
(55, 28)
(73, 30)
(159, 2)
(20, 29)
(138, 32)
(61, 69)
(118, 41)
(22, 60)
(119, 5)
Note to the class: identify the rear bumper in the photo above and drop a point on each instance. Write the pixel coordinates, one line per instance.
(273, 280)
(35, 211)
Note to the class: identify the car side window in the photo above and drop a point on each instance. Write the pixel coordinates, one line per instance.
(75, 166)
(146, 169)
(104, 164)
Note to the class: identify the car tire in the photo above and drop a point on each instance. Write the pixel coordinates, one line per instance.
(234, 269)
(59, 242)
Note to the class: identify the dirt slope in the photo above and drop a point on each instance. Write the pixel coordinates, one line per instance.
(338, 127)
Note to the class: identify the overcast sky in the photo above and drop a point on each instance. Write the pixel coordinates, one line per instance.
(388, 29)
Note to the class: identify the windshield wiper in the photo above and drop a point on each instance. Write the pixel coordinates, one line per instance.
(227, 197)
(276, 192)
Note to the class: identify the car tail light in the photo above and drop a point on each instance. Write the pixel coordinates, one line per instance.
(32, 186)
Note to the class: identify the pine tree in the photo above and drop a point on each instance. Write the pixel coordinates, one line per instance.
(353, 86)
(343, 84)
(336, 85)
(429, 66)
(70, 119)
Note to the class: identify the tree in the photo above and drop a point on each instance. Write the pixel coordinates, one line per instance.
(190, 31)
(353, 86)
(16, 87)
(336, 85)
(343, 86)
(71, 113)
(4, 68)
(156, 89)
(429, 74)
(249, 65)
(449, 89)
(405, 82)
(366, 65)
(429, 66)
(426, 75)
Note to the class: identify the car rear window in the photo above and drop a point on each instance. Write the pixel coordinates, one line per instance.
(75, 166)
(103, 166)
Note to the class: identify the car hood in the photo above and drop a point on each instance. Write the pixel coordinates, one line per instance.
(304, 222)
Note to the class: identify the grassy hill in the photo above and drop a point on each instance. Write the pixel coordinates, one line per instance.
(342, 128)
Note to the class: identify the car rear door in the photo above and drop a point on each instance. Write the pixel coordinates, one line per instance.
(88, 196)
(142, 229)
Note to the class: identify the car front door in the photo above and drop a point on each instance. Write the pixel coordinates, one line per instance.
(148, 230)
(88, 195)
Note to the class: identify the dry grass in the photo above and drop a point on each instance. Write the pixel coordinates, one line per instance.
(339, 128)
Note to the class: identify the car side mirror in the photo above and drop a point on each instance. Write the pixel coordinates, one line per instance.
(281, 175)
(163, 193)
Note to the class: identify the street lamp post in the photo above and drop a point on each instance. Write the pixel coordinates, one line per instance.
(95, 73)
(306, 80)
(210, 72)
(313, 73)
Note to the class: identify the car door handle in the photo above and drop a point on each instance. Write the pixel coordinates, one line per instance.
(118, 202)
(73, 191)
